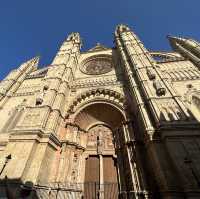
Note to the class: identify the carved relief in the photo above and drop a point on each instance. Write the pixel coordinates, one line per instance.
(160, 89)
(151, 74)
(100, 137)
(32, 118)
(106, 94)
(98, 81)
(41, 95)
(74, 174)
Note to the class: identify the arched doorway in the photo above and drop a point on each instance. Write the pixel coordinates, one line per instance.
(101, 169)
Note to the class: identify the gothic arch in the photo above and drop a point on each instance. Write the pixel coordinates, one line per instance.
(96, 96)
(101, 121)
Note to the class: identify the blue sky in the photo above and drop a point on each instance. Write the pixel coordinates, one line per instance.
(29, 28)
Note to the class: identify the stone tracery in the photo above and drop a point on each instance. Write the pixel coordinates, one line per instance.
(97, 65)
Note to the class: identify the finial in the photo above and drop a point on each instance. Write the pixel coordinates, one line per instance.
(122, 28)
(74, 36)
(30, 63)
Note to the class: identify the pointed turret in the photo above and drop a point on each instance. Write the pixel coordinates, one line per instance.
(32, 63)
(72, 44)
(189, 48)
(24, 69)
(175, 40)
(188, 43)
(121, 28)
(75, 37)
(192, 45)
(15, 77)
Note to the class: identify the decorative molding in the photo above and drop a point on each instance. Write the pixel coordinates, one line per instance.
(102, 81)
(99, 93)
(183, 74)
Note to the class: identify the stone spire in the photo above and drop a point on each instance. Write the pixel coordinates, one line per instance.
(71, 45)
(189, 48)
(32, 63)
(15, 77)
(75, 37)
(141, 68)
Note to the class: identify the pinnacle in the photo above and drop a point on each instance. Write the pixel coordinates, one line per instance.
(35, 59)
(176, 39)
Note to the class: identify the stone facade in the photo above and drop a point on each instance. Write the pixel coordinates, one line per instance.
(123, 117)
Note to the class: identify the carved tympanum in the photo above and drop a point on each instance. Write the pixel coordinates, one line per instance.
(100, 138)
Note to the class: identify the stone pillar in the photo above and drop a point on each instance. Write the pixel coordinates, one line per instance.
(156, 91)
(62, 163)
(101, 180)
(132, 193)
(60, 96)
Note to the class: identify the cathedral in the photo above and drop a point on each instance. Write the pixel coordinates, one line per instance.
(107, 123)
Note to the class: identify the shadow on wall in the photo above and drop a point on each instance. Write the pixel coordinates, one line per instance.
(15, 188)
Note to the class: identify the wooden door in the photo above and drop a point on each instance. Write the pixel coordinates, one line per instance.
(92, 176)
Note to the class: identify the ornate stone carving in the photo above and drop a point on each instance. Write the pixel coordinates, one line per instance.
(160, 90)
(74, 174)
(32, 118)
(94, 82)
(97, 65)
(100, 138)
(106, 94)
(40, 96)
(151, 74)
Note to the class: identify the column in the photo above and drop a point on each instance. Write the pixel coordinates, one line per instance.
(101, 180)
